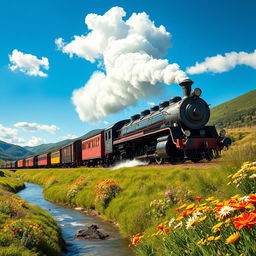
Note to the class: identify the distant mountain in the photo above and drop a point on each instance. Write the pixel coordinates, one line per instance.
(238, 112)
(10, 152)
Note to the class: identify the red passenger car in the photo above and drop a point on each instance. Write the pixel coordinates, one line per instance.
(43, 160)
(29, 162)
(93, 149)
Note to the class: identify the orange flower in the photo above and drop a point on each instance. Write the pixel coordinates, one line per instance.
(242, 205)
(198, 198)
(136, 238)
(160, 227)
(245, 220)
(233, 238)
(185, 213)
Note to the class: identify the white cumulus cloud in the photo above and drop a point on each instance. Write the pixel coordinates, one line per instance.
(34, 141)
(28, 63)
(10, 135)
(7, 133)
(130, 53)
(219, 63)
(34, 127)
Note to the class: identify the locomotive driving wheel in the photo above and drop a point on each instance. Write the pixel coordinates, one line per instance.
(159, 160)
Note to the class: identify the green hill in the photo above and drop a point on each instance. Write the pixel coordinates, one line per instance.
(10, 152)
(238, 112)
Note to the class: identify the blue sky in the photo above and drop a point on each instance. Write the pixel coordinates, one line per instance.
(198, 29)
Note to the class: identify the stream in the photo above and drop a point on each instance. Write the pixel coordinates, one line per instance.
(70, 221)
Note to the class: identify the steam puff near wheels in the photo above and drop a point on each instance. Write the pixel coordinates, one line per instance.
(129, 52)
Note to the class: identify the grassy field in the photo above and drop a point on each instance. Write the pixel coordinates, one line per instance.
(238, 112)
(25, 230)
(140, 198)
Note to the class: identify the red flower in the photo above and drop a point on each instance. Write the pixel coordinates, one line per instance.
(252, 198)
(166, 230)
(245, 220)
(160, 227)
(198, 198)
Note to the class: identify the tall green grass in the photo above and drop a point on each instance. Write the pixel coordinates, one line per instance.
(17, 218)
(140, 185)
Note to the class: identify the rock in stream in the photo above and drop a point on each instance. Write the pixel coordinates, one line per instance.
(91, 232)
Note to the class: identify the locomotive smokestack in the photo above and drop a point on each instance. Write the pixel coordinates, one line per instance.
(186, 87)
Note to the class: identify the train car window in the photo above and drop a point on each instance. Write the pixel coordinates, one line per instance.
(106, 136)
(109, 135)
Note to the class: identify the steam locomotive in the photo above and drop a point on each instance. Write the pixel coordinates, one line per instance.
(174, 131)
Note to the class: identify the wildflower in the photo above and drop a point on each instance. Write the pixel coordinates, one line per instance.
(210, 199)
(211, 238)
(233, 238)
(225, 211)
(202, 242)
(167, 193)
(171, 222)
(166, 230)
(191, 222)
(179, 225)
(253, 176)
(136, 239)
(190, 206)
(245, 220)
(202, 218)
(198, 198)
(217, 227)
(160, 227)
(244, 199)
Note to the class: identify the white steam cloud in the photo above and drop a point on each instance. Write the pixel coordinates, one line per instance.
(28, 63)
(129, 163)
(130, 52)
(219, 63)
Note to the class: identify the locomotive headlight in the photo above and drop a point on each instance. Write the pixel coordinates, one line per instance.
(197, 92)
(187, 133)
(222, 133)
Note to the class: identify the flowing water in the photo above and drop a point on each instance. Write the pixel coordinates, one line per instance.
(70, 221)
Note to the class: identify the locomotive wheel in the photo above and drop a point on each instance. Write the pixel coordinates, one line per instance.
(159, 160)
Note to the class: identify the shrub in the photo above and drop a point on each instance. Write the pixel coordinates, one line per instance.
(106, 190)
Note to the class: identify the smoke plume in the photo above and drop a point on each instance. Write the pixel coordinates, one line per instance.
(130, 53)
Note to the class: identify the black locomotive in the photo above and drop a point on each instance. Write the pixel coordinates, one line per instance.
(171, 132)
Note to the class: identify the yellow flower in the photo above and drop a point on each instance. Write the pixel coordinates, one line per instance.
(202, 242)
(235, 197)
(210, 199)
(233, 238)
(202, 218)
(217, 238)
(217, 227)
(190, 206)
(210, 238)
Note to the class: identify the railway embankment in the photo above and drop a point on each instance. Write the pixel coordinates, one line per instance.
(143, 200)
(25, 230)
